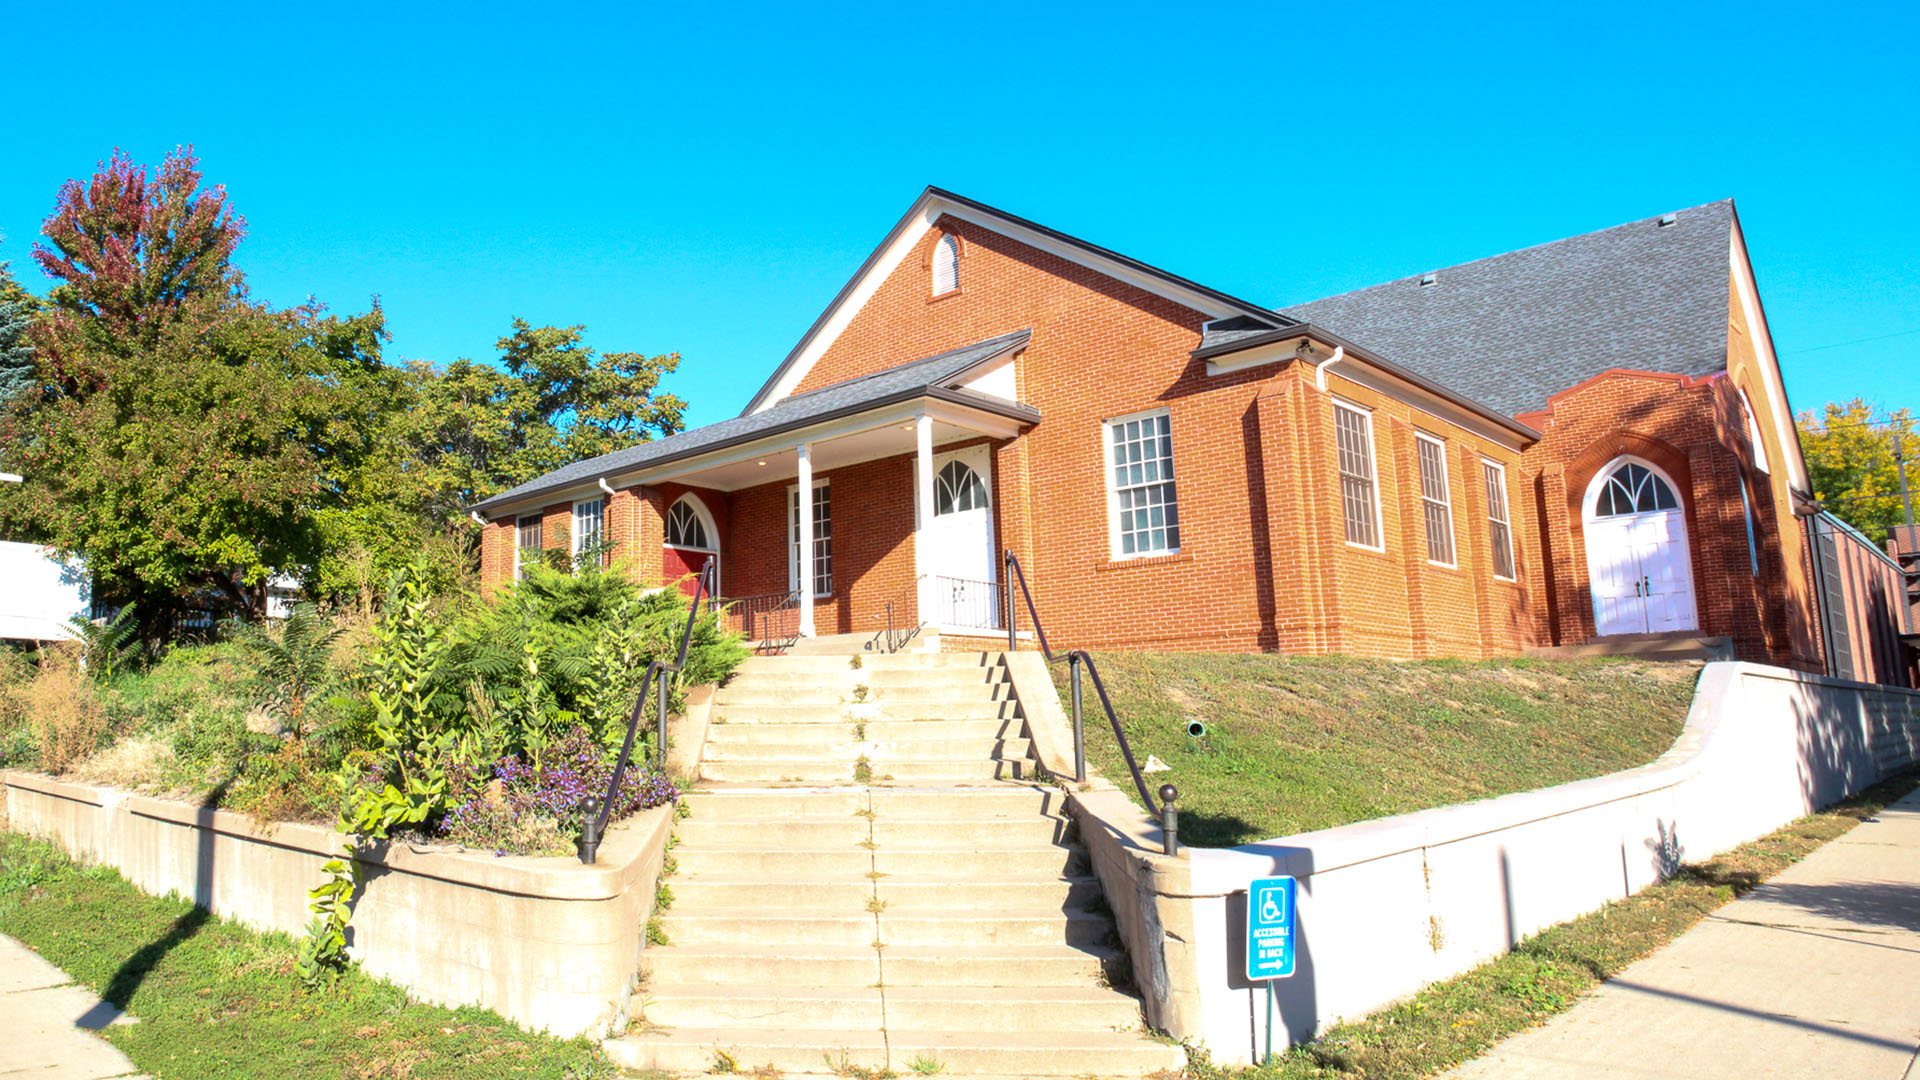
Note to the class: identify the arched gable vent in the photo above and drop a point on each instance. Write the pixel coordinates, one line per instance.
(946, 265)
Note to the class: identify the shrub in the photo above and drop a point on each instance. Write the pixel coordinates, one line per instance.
(68, 720)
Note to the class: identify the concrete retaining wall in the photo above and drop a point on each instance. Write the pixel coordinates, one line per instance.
(546, 942)
(1388, 906)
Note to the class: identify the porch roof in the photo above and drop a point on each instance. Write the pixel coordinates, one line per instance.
(928, 377)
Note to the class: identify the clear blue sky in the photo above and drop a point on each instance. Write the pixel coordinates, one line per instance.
(703, 179)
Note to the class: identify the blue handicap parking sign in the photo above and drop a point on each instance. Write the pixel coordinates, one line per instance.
(1270, 928)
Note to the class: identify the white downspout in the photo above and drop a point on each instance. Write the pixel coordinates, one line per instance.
(603, 486)
(1320, 369)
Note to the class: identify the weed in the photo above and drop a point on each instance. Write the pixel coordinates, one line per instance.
(860, 731)
(862, 770)
(656, 935)
(662, 897)
(925, 1065)
(845, 1068)
(876, 905)
(724, 1063)
(860, 693)
(854, 662)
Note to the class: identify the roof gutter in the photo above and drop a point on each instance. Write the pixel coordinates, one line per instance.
(1347, 350)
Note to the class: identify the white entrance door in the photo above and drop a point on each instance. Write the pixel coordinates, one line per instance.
(959, 588)
(1619, 603)
(1638, 563)
(1660, 544)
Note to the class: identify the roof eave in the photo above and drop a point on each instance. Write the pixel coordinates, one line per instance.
(1012, 410)
(1310, 332)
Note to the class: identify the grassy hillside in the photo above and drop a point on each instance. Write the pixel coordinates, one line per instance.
(1296, 743)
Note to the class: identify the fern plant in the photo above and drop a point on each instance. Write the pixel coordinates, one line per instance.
(294, 658)
(108, 645)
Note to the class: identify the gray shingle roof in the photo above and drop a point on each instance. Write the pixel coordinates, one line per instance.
(1513, 329)
(912, 379)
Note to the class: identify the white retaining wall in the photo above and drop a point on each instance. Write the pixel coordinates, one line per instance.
(1388, 906)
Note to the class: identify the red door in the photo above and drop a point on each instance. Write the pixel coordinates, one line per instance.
(677, 563)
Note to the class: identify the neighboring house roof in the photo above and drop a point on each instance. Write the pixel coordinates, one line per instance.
(1513, 329)
(935, 202)
(927, 377)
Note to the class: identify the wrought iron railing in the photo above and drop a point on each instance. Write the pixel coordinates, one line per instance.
(771, 621)
(596, 812)
(939, 600)
(1077, 658)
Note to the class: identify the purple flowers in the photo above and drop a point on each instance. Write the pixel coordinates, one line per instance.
(512, 809)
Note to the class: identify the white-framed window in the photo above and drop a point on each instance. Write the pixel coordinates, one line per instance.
(527, 539)
(1753, 534)
(822, 560)
(589, 526)
(686, 529)
(1143, 508)
(1753, 433)
(1359, 484)
(1499, 525)
(946, 264)
(1436, 505)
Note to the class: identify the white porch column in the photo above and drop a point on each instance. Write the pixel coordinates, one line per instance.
(805, 559)
(923, 556)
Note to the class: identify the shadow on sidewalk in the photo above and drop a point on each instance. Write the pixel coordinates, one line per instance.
(1789, 1021)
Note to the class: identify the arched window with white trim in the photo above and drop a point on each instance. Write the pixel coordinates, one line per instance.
(1753, 433)
(946, 264)
(687, 528)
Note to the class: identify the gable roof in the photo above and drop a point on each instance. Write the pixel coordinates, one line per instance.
(1513, 329)
(934, 203)
(926, 377)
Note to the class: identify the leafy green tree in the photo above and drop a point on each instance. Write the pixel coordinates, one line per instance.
(552, 399)
(17, 308)
(185, 437)
(1850, 459)
(293, 659)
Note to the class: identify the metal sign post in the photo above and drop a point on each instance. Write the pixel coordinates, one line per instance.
(1270, 938)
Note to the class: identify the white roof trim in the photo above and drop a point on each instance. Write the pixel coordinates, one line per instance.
(1771, 380)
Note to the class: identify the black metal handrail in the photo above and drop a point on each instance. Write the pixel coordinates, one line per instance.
(596, 816)
(1075, 658)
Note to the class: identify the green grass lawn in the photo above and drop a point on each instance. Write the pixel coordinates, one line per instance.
(216, 1000)
(1296, 743)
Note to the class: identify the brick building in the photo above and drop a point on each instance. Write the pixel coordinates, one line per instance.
(1585, 440)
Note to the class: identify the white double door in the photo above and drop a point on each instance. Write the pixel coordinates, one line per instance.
(958, 569)
(1641, 572)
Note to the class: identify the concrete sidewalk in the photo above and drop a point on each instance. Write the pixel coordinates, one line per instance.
(47, 1022)
(1814, 974)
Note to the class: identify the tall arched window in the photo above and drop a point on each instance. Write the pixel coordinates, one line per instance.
(1753, 433)
(946, 265)
(957, 489)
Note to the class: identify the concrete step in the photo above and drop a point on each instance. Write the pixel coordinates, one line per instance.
(821, 1008)
(1034, 1053)
(854, 862)
(777, 927)
(950, 804)
(870, 663)
(996, 894)
(901, 925)
(889, 692)
(998, 965)
(918, 750)
(804, 771)
(799, 1051)
(960, 707)
(896, 730)
(751, 964)
(1002, 1008)
(1049, 861)
(837, 893)
(800, 693)
(951, 772)
(981, 834)
(756, 834)
(822, 803)
(726, 716)
(837, 745)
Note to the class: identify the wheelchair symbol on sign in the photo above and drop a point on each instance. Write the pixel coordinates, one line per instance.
(1270, 910)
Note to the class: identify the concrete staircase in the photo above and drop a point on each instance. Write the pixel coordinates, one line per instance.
(870, 880)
